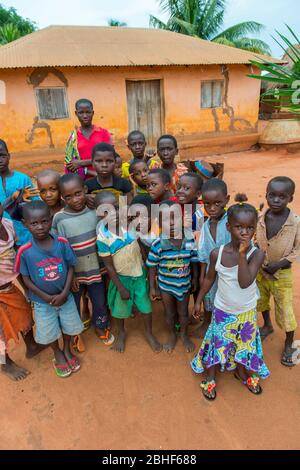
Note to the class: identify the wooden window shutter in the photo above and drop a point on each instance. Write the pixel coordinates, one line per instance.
(52, 103)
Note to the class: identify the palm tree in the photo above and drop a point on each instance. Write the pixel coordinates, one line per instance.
(204, 19)
(285, 79)
(8, 33)
(113, 22)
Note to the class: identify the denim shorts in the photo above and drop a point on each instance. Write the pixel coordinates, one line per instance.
(51, 321)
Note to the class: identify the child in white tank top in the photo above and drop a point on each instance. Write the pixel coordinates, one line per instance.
(232, 340)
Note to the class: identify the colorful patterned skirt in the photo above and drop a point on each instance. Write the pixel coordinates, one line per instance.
(230, 340)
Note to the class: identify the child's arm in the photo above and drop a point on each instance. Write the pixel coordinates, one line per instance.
(247, 271)
(154, 291)
(195, 277)
(30, 286)
(108, 261)
(207, 283)
(60, 299)
(203, 269)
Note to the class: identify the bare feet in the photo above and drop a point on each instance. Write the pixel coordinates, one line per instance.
(13, 371)
(200, 330)
(170, 345)
(154, 344)
(188, 344)
(119, 344)
(265, 331)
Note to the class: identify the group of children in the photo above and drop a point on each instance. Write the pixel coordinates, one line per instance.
(232, 259)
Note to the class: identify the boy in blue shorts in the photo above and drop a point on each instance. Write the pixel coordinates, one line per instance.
(122, 257)
(46, 264)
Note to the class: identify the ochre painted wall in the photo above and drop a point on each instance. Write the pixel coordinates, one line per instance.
(106, 88)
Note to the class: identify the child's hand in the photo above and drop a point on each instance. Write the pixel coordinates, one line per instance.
(90, 201)
(197, 309)
(74, 165)
(154, 294)
(124, 293)
(29, 192)
(58, 300)
(75, 285)
(271, 268)
(244, 246)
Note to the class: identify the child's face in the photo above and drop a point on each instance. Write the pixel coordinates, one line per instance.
(137, 145)
(156, 187)
(74, 195)
(167, 151)
(140, 174)
(104, 163)
(39, 224)
(49, 190)
(118, 167)
(111, 216)
(278, 196)
(167, 222)
(85, 114)
(215, 202)
(142, 221)
(242, 226)
(4, 160)
(187, 190)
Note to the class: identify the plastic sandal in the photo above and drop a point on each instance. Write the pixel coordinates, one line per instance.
(108, 338)
(208, 386)
(251, 383)
(74, 364)
(61, 370)
(78, 344)
(86, 324)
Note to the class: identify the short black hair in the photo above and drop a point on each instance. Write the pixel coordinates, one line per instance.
(136, 133)
(49, 172)
(196, 177)
(103, 147)
(83, 101)
(168, 136)
(134, 163)
(32, 206)
(285, 180)
(163, 174)
(68, 178)
(241, 206)
(215, 184)
(143, 200)
(117, 155)
(102, 196)
(4, 144)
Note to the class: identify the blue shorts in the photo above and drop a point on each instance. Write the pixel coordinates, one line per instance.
(51, 322)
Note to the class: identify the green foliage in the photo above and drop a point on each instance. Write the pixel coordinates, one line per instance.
(286, 95)
(13, 26)
(113, 22)
(205, 19)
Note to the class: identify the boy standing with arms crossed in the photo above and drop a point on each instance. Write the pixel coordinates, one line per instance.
(278, 234)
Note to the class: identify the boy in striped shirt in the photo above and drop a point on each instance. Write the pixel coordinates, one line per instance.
(173, 259)
(77, 223)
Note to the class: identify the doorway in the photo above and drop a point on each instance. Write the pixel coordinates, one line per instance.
(145, 108)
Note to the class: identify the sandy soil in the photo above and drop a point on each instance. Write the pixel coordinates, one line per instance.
(139, 400)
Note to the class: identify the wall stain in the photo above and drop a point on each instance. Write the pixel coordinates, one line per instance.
(229, 109)
(39, 75)
(216, 119)
(39, 125)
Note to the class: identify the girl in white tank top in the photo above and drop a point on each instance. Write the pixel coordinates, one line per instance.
(232, 340)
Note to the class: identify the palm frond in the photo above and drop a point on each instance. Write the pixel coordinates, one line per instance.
(185, 27)
(224, 41)
(157, 23)
(254, 45)
(239, 30)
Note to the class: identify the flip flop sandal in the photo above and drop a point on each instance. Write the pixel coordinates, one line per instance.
(108, 338)
(78, 344)
(208, 386)
(74, 364)
(86, 324)
(61, 370)
(287, 358)
(251, 383)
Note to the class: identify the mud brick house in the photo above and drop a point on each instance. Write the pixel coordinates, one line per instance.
(153, 80)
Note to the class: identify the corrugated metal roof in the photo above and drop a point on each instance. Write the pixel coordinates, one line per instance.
(98, 46)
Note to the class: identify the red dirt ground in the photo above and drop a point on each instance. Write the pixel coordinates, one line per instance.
(140, 400)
